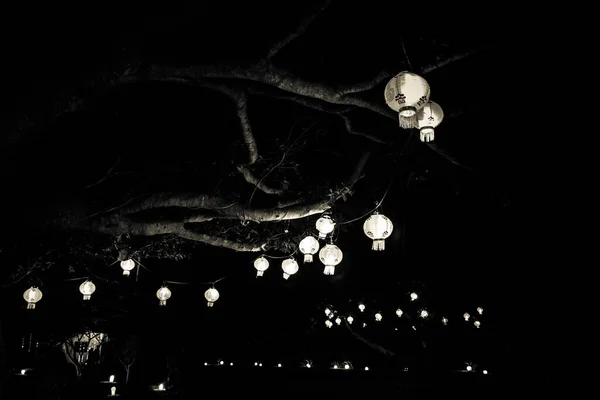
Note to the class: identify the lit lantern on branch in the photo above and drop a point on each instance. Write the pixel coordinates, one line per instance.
(32, 296)
(261, 264)
(309, 246)
(211, 295)
(163, 294)
(350, 319)
(330, 255)
(406, 93)
(325, 226)
(127, 266)
(289, 267)
(378, 317)
(399, 313)
(428, 118)
(87, 289)
(378, 227)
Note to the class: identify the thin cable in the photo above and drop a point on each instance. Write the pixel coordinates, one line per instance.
(405, 53)
(276, 258)
(178, 283)
(373, 209)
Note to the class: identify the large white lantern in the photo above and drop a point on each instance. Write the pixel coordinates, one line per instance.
(325, 226)
(87, 289)
(428, 118)
(309, 246)
(32, 296)
(211, 295)
(261, 264)
(378, 227)
(289, 267)
(406, 93)
(330, 255)
(127, 266)
(163, 294)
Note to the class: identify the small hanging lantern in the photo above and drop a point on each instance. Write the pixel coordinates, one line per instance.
(127, 266)
(32, 296)
(413, 296)
(477, 324)
(211, 295)
(424, 314)
(289, 267)
(113, 391)
(309, 246)
(261, 264)
(87, 289)
(378, 317)
(325, 226)
(330, 255)
(480, 310)
(338, 320)
(327, 311)
(378, 227)
(466, 316)
(328, 323)
(428, 118)
(350, 319)
(361, 307)
(163, 294)
(445, 321)
(399, 313)
(406, 93)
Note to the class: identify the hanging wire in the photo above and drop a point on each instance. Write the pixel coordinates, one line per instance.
(405, 53)
(280, 257)
(378, 204)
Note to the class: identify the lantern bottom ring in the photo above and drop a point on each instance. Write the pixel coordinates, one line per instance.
(407, 111)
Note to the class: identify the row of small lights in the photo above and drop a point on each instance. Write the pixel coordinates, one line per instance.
(378, 316)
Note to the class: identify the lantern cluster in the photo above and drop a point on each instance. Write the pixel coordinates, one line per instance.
(408, 94)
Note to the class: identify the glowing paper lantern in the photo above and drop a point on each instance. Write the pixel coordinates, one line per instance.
(361, 307)
(350, 320)
(466, 316)
(289, 267)
(325, 226)
(424, 314)
(378, 227)
(32, 296)
(406, 93)
(328, 323)
(211, 295)
(477, 324)
(127, 266)
(480, 310)
(378, 317)
(330, 255)
(429, 117)
(113, 391)
(338, 320)
(261, 264)
(87, 289)
(309, 246)
(413, 296)
(445, 321)
(399, 312)
(163, 294)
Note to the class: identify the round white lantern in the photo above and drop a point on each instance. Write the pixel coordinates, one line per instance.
(466, 316)
(429, 117)
(406, 93)
(325, 226)
(289, 267)
(261, 264)
(480, 310)
(378, 227)
(477, 324)
(309, 246)
(424, 314)
(445, 321)
(361, 307)
(399, 312)
(211, 295)
(127, 266)
(328, 323)
(413, 296)
(87, 289)
(338, 320)
(330, 255)
(32, 296)
(378, 317)
(350, 319)
(163, 294)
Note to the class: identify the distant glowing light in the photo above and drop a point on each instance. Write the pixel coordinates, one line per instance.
(279, 365)
(485, 371)
(413, 296)
(424, 314)
(366, 368)
(469, 368)
(361, 307)
(111, 378)
(350, 320)
(480, 310)
(327, 311)
(399, 312)
(466, 316)
(378, 317)
(477, 324)
(445, 321)
(23, 371)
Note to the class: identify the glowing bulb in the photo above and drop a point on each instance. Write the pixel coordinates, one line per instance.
(346, 366)
(328, 324)
(111, 378)
(23, 371)
(399, 312)
(260, 364)
(335, 366)
(308, 365)
(161, 386)
(480, 310)
(350, 319)
(445, 321)
(361, 307)
(113, 391)
(378, 317)
(413, 296)
(231, 364)
(477, 324)
(366, 368)
(221, 362)
(279, 365)
(424, 314)
(469, 368)
(205, 364)
(327, 311)
(255, 364)
(338, 320)
(364, 324)
(485, 371)
(466, 316)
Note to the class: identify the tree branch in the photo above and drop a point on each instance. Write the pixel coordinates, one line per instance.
(274, 50)
(374, 346)
(258, 183)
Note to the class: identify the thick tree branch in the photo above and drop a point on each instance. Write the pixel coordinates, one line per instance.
(258, 183)
(353, 131)
(299, 31)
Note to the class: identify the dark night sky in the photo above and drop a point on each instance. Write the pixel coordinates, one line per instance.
(455, 228)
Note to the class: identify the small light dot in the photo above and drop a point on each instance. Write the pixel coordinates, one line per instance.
(222, 362)
(366, 368)
(346, 366)
(23, 372)
(255, 364)
(469, 368)
(335, 367)
(307, 365)
(485, 371)
(260, 364)
(279, 365)
(231, 364)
